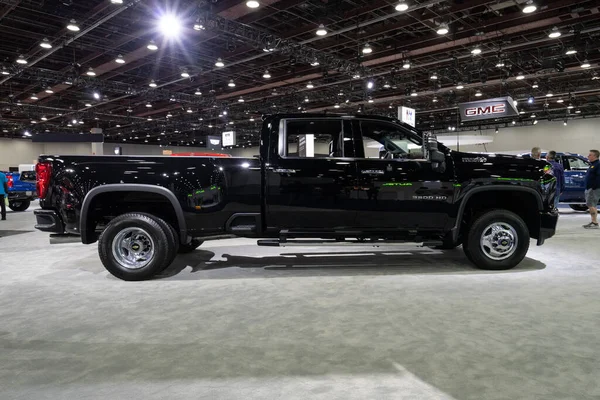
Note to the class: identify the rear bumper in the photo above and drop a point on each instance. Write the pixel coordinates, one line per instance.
(548, 221)
(24, 195)
(48, 221)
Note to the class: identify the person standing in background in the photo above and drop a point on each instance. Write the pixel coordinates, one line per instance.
(3, 194)
(536, 153)
(559, 173)
(592, 188)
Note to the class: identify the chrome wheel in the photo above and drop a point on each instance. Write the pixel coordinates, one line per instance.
(499, 241)
(133, 248)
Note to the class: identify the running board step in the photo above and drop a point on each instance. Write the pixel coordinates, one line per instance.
(317, 242)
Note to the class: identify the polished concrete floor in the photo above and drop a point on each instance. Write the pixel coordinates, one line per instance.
(234, 321)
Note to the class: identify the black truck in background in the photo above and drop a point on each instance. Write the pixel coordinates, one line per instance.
(318, 179)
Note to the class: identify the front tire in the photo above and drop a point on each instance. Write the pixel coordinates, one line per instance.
(135, 247)
(497, 240)
(578, 207)
(20, 205)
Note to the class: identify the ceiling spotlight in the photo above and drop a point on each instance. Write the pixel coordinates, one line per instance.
(231, 83)
(169, 25)
(120, 59)
(401, 6)
(370, 85)
(585, 64)
(219, 63)
(241, 99)
(96, 95)
(49, 90)
(356, 76)
(306, 100)
(5, 71)
(435, 99)
(152, 84)
(476, 51)
(44, 118)
(337, 105)
(152, 46)
(21, 60)
(570, 51)
(443, 29)
(189, 111)
(434, 76)
(321, 31)
(72, 26)
(45, 43)
(554, 33)
(520, 76)
(116, 1)
(314, 63)
(535, 121)
(570, 106)
(460, 86)
(497, 130)
(549, 94)
(185, 74)
(514, 122)
(414, 93)
(367, 49)
(90, 72)
(478, 93)
(500, 64)
(532, 115)
(530, 99)
(310, 85)
(33, 97)
(198, 26)
(88, 104)
(149, 105)
(169, 115)
(535, 85)
(529, 7)
(595, 76)
(386, 85)
(406, 64)
(565, 123)
(267, 75)
(198, 92)
(252, 4)
(560, 101)
(370, 100)
(129, 110)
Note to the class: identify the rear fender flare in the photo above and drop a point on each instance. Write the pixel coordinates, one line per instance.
(503, 188)
(130, 187)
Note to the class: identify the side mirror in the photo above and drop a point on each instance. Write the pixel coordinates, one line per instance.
(437, 158)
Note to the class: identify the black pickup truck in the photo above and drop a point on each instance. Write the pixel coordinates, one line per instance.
(318, 179)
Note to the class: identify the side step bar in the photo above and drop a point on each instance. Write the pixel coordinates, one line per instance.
(366, 243)
(62, 238)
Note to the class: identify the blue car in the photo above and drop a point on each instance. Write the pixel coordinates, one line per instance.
(575, 166)
(21, 189)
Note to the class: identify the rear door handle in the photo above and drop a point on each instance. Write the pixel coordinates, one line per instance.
(372, 172)
(284, 170)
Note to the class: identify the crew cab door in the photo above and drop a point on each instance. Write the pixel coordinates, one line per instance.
(575, 170)
(397, 187)
(310, 176)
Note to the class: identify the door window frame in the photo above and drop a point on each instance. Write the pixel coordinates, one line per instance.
(282, 144)
(568, 160)
(359, 142)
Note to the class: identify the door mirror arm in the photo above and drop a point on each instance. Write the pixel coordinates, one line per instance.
(434, 155)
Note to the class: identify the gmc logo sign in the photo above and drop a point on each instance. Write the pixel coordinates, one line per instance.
(489, 110)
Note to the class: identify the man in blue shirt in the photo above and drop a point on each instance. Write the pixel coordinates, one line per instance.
(592, 188)
(559, 173)
(3, 194)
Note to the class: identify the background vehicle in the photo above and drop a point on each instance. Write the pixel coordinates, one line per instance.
(21, 193)
(318, 178)
(576, 167)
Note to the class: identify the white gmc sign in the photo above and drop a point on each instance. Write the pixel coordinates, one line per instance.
(487, 109)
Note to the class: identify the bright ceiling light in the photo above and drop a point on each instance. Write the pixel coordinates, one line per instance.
(310, 85)
(198, 92)
(148, 105)
(88, 104)
(314, 63)
(443, 29)
(72, 26)
(44, 118)
(306, 100)
(5, 71)
(198, 26)
(152, 84)
(570, 51)
(33, 97)
(337, 105)
(414, 93)
(49, 90)
(267, 75)
(21, 60)
(370, 85)
(529, 7)
(321, 31)
(478, 93)
(560, 101)
(401, 6)
(367, 49)
(549, 94)
(406, 64)
(476, 51)
(219, 63)
(356, 76)
(152, 46)
(169, 25)
(578, 111)
(535, 121)
(116, 1)
(231, 83)
(570, 106)
(585, 64)
(169, 115)
(96, 95)
(120, 59)
(241, 99)
(500, 64)
(460, 86)
(435, 99)
(90, 72)
(189, 111)
(555, 33)
(252, 4)
(185, 74)
(387, 85)
(520, 77)
(535, 85)
(434, 76)
(45, 43)
(370, 100)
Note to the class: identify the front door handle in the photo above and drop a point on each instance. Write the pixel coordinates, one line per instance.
(372, 172)
(284, 170)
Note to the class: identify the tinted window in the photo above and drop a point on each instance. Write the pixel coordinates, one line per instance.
(576, 163)
(387, 141)
(314, 139)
